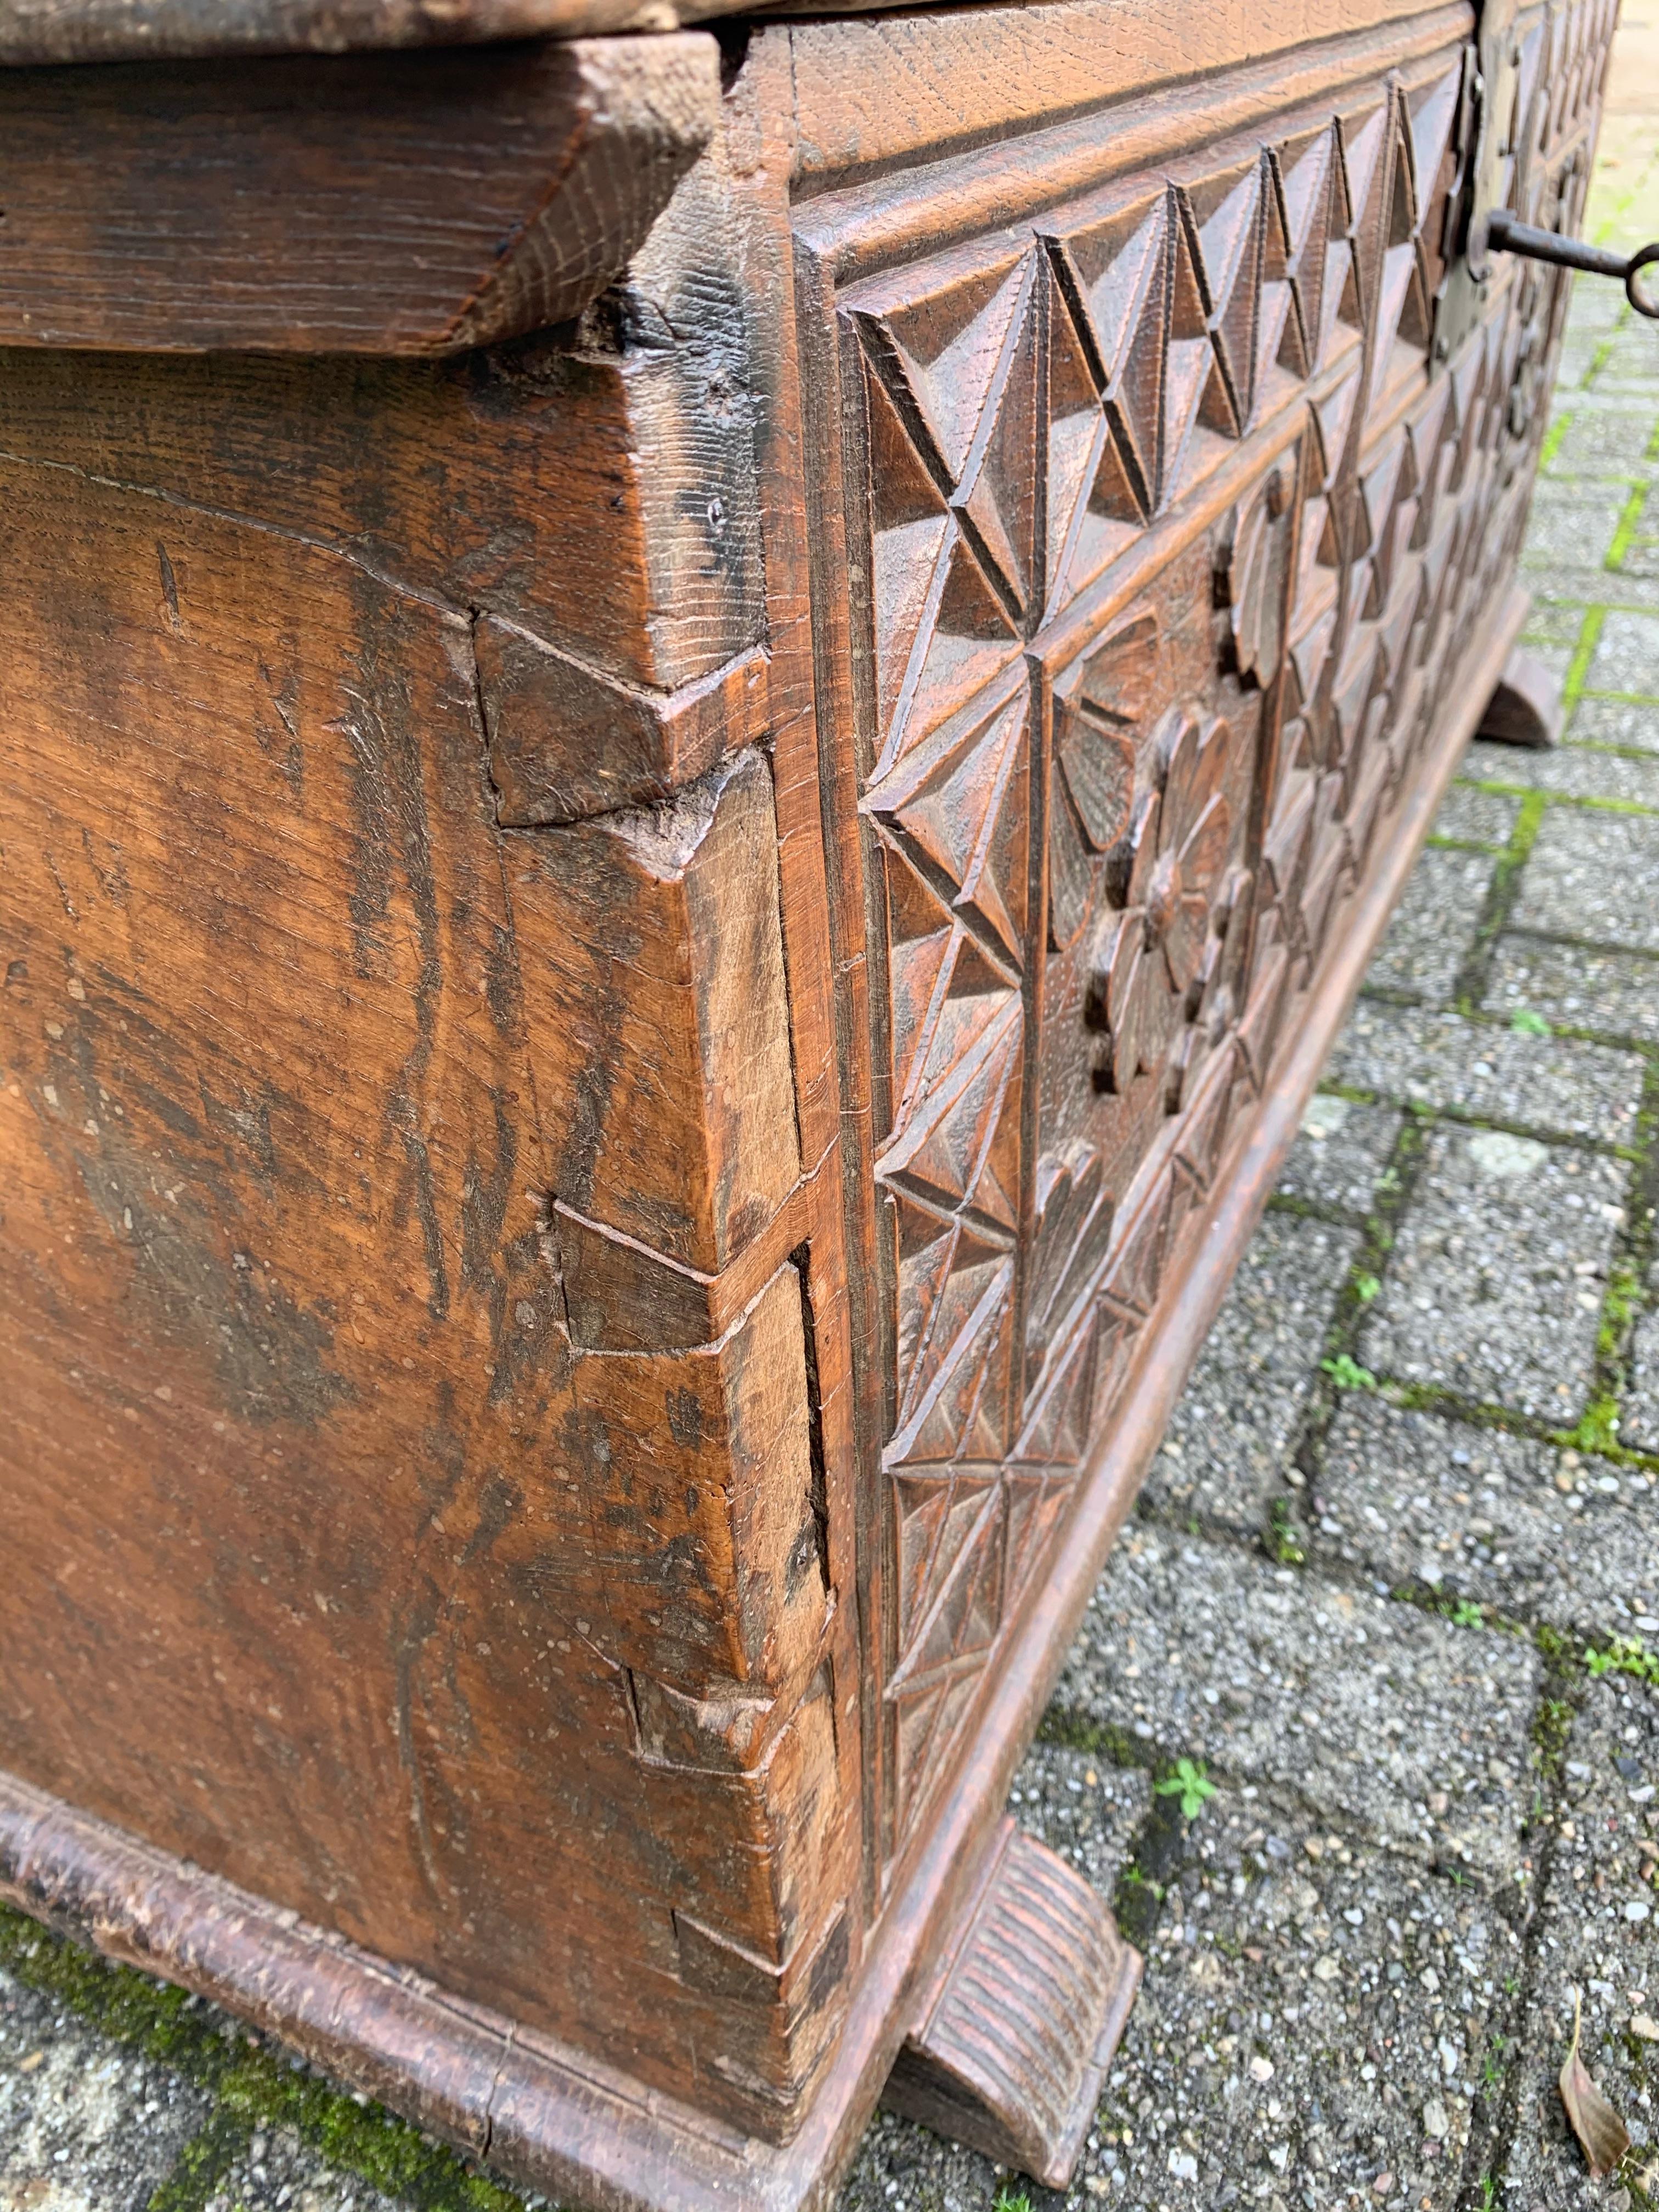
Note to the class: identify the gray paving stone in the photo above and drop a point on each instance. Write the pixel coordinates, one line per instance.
(1595, 308)
(86, 2125)
(1502, 1520)
(1231, 1437)
(1554, 621)
(1615, 722)
(279, 2172)
(1581, 771)
(1605, 441)
(1494, 1287)
(1379, 1717)
(1434, 925)
(1639, 1405)
(1593, 875)
(1341, 1151)
(1618, 992)
(1476, 817)
(1558, 1084)
(1573, 524)
(1627, 656)
(1628, 368)
(1082, 1807)
(1312, 2028)
(1597, 1940)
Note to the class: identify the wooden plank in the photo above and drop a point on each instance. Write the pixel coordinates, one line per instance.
(293, 1432)
(411, 204)
(971, 75)
(42, 31)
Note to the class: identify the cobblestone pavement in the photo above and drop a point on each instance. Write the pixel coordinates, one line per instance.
(1393, 1581)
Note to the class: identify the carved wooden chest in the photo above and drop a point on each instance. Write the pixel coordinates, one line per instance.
(702, 731)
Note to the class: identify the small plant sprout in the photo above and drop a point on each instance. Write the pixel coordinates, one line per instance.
(1466, 1613)
(1366, 1288)
(1191, 1784)
(1525, 1023)
(1625, 1655)
(1347, 1374)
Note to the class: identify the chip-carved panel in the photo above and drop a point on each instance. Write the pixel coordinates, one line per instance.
(1176, 528)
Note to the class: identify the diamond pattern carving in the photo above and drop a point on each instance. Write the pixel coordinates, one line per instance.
(1068, 1026)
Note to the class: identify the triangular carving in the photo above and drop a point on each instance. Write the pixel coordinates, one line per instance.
(1204, 1125)
(1402, 190)
(1056, 1433)
(963, 1313)
(1077, 438)
(909, 526)
(1073, 1224)
(1258, 1033)
(925, 1244)
(965, 1416)
(966, 637)
(1399, 269)
(1364, 134)
(1335, 417)
(935, 1517)
(1433, 111)
(999, 488)
(944, 1155)
(1035, 1507)
(919, 933)
(966, 1610)
(1137, 1267)
(1228, 212)
(1282, 356)
(1123, 266)
(969, 996)
(1190, 361)
(964, 811)
(951, 346)
(1316, 217)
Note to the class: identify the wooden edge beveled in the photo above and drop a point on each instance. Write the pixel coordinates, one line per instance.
(330, 235)
(552, 2118)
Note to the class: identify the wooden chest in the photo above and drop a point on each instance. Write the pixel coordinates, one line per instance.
(702, 730)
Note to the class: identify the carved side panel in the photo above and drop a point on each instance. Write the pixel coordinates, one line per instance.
(1168, 535)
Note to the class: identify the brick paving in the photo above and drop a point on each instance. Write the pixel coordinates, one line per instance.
(1393, 1580)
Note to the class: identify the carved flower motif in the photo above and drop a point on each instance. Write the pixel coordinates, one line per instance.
(1150, 968)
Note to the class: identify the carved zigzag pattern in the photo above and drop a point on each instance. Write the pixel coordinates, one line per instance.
(1029, 413)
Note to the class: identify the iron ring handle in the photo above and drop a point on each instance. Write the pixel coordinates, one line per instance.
(1505, 235)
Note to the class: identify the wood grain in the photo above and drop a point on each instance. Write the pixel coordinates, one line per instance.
(393, 204)
(649, 980)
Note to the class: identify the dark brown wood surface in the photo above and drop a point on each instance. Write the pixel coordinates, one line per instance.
(392, 204)
(650, 978)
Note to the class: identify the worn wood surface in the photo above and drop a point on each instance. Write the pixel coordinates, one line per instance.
(650, 978)
(393, 204)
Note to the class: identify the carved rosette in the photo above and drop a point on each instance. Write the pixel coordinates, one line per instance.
(1121, 772)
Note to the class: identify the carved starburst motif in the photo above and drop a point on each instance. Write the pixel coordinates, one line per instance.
(1163, 879)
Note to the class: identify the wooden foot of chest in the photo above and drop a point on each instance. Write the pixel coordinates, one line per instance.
(701, 736)
(1525, 710)
(1017, 2025)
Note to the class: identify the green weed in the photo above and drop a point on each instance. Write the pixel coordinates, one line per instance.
(1190, 1784)
(1347, 1374)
